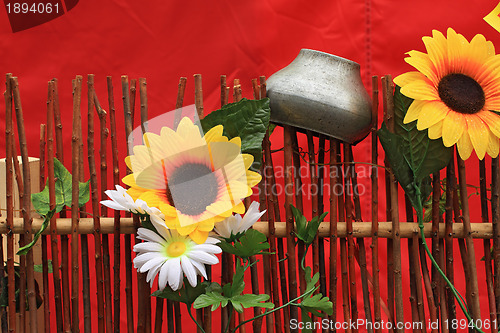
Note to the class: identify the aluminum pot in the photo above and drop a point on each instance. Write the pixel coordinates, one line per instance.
(322, 93)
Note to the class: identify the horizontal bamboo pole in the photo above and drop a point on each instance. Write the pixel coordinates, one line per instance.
(360, 229)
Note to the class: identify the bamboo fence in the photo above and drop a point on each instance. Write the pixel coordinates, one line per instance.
(347, 247)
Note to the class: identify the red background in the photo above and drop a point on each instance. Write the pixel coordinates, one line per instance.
(164, 40)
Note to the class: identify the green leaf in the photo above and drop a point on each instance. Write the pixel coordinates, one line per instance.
(317, 303)
(251, 243)
(247, 119)
(25, 249)
(238, 285)
(307, 321)
(212, 299)
(425, 156)
(306, 231)
(187, 294)
(250, 301)
(63, 191)
(39, 268)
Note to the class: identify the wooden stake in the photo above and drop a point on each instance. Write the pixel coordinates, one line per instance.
(198, 95)
(95, 206)
(128, 239)
(26, 208)
(75, 149)
(450, 173)
(116, 218)
(495, 219)
(9, 138)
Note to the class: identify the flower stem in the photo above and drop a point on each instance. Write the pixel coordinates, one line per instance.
(456, 294)
(230, 310)
(307, 293)
(195, 321)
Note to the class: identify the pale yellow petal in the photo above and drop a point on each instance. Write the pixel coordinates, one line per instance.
(479, 134)
(239, 208)
(464, 146)
(432, 112)
(414, 111)
(214, 133)
(492, 120)
(405, 78)
(453, 127)
(420, 90)
(199, 236)
(493, 146)
(436, 131)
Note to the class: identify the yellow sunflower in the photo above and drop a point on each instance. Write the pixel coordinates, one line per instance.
(455, 90)
(195, 180)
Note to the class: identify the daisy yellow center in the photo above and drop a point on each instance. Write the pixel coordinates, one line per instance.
(176, 249)
(461, 93)
(192, 188)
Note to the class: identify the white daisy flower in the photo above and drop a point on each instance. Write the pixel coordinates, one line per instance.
(172, 256)
(121, 200)
(236, 224)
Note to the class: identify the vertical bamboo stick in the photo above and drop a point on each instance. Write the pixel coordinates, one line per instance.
(103, 131)
(9, 135)
(428, 287)
(321, 209)
(298, 203)
(64, 238)
(22, 259)
(116, 221)
(360, 241)
(95, 206)
(198, 95)
(314, 196)
(45, 260)
(334, 181)
(350, 239)
(436, 196)
(290, 239)
(3, 311)
(343, 243)
(133, 88)
(474, 306)
(26, 208)
(53, 221)
(269, 176)
(143, 98)
(128, 238)
(495, 219)
(75, 149)
(486, 242)
(415, 315)
(450, 173)
(374, 215)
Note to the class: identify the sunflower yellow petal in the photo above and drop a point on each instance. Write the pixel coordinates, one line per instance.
(198, 236)
(206, 225)
(420, 90)
(214, 133)
(492, 120)
(236, 141)
(457, 45)
(414, 111)
(479, 135)
(186, 230)
(239, 208)
(432, 112)
(453, 128)
(405, 78)
(422, 62)
(464, 146)
(493, 146)
(436, 131)
(436, 48)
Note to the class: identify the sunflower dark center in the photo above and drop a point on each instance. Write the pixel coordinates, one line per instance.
(461, 93)
(192, 188)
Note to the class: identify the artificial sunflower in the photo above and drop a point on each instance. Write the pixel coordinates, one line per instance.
(456, 92)
(195, 180)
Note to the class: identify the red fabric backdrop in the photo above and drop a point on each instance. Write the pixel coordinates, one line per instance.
(164, 40)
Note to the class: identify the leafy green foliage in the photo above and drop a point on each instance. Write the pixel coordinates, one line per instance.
(247, 119)
(251, 243)
(63, 188)
(306, 231)
(4, 295)
(187, 294)
(314, 304)
(410, 152)
(232, 292)
(46, 219)
(63, 194)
